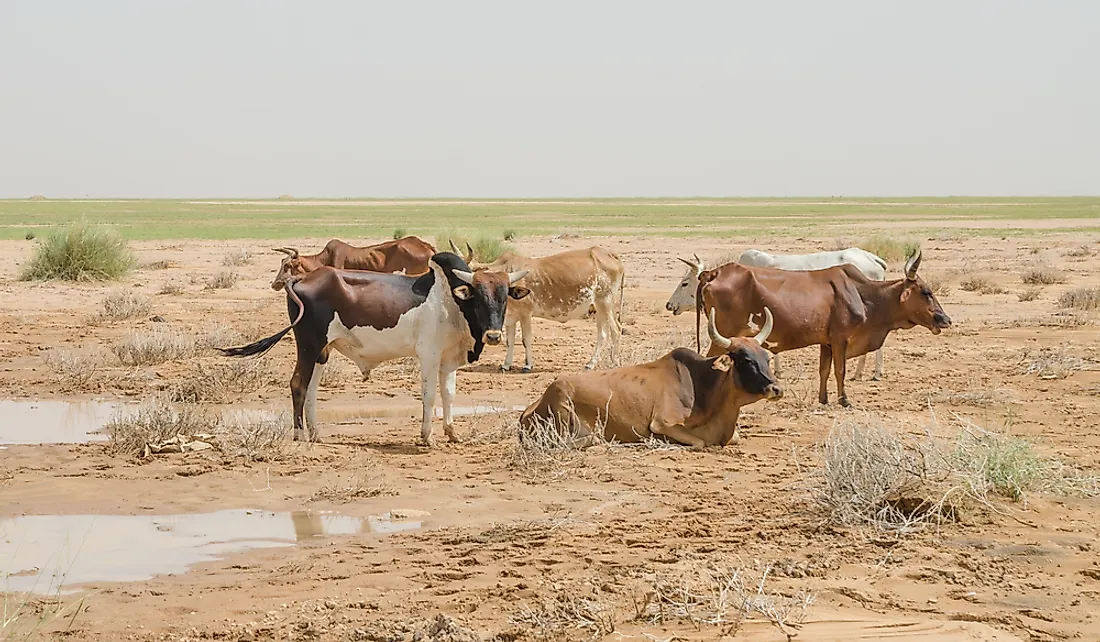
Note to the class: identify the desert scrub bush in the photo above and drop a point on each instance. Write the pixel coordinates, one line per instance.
(509, 235)
(938, 282)
(74, 370)
(80, 252)
(222, 280)
(215, 335)
(357, 487)
(487, 248)
(153, 347)
(1042, 275)
(120, 305)
(255, 435)
(237, 258)
(981, 284)
(221, 382)
(152, 422)
(1029, 294)
(30, 236)
(158, 265)
(399, 233)
(172, 289)
(1051, 362)
(890, 249)
(548, 452)
(1086, 298)
(1078, 252)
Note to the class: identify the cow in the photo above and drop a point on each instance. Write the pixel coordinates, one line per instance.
(563, 286)
(683, 396)
(838, 309)
(683, 297)
(409, 255)
(444, 317)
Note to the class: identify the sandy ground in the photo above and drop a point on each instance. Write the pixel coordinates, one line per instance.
(506, 550)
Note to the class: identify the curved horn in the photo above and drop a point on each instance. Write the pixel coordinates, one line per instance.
(465, 276)
(911, 266)
(513, 277)
(454, 248)
(285, 250)
(697, 259)
(716, 338)
(469, 252)
(697, 265)
(762, 336)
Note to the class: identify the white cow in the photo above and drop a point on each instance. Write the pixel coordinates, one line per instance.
(683, 297)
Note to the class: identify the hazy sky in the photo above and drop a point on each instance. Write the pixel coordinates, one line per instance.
(513, 98)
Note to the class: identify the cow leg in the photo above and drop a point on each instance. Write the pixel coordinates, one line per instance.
(678, 433)
(429, 378)
(447, 392)
(299, 384)
(840, 367)
(859, 368)
(823, 363)
(311, 401)
(878, 366)
(603, 326)
(509, 344)
(525, 328)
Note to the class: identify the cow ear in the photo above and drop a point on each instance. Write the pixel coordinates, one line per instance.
(517, 292)
(905, 294)
(723, 363)
(462, 293)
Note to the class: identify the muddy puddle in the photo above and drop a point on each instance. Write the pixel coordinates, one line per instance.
(349, 413)
(53, 422)
(54, 553)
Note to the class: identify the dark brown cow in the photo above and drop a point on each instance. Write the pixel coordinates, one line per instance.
(837, 308)
(409, 255)
(444, 318)
(682, 396)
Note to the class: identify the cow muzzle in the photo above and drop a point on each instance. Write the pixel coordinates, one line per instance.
(940, 321)
(673, 309)
(492, 337)
(773, 392)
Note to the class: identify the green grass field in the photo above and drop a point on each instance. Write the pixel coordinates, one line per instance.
(366, 219)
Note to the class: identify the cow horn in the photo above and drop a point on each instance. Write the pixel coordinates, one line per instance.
(289, 251)
(454, 248)
(762, 336)
(716, 338)
(469, 253)
(697, 265)
(513, 277)
(465, 276)
(911, 266)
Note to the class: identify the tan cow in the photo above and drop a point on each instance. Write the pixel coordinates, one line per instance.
(563, 286)
(683, 396)
(407, 255)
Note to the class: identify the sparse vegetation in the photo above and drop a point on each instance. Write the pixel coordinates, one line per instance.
(509, 235)
(354, 488)
(548, 452)
(172, 289)
(890, 249)
(1081, 252)
(154, 421)
(938, 282)
(73, 370)
(1029, 294)
(1042, 275)
(974, 395)
(80, 252)
(255, 435)
(30, 236)
(981, 284)
(158, 265)
(222, 381)
(121, 305)
(222, 280)
(1052, 362)
(1085, 298)
(153, 346)
(237, 258)
(487, 248)
(399, 233)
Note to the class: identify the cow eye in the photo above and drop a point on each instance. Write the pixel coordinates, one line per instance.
(926, 292)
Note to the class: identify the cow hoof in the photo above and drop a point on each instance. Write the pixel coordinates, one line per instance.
(876, 377)
(526, 370)
(844, 402)
(504, 368)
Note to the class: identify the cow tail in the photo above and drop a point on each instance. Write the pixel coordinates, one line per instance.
(622, 296)
(263, 345)
(698, 313)
(879, 261)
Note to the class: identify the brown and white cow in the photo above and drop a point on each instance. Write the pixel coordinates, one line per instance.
(682, 396)
(408, 255)
(564, 286)
(837, 308)
(444, 318)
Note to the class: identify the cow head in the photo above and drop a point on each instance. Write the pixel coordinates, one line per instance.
(291, 266)
(918, 303)
(748, 359)
(482, 297)
(683, 297)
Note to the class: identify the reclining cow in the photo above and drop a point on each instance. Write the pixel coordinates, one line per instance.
(444, 318)
(683, 297)
(682, 396)
(563, 286)
(837, 308)
(408, 255)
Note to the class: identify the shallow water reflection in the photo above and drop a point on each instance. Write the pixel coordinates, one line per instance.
(53, 422)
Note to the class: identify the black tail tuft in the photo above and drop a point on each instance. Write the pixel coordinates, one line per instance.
(256, 347)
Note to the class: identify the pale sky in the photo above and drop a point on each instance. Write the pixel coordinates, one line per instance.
(549, 99)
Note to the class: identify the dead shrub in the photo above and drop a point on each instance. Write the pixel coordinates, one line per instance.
(974, 395)
(1042, 275)
(938, 282)
(154, 346)
(547, 452)
(154, 421)
(1029, 294)
(354, 488)
(237, 258)
(551, 618)
(1051, 362)
(221, 382)
(158, 265)
(222, 280)
(255, 435)
(216, 335)
(981, 284)
(1081, 252)
(1086, 298)
(336, 373)
(173, 289)
(74, 370)
(120, 305)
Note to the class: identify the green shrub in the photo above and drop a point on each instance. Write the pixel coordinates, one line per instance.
(889, 249)
(399, 233)
(30, 236)
(487, 248)
(80, 252)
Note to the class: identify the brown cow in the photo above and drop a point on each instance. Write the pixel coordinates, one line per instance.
(682, 396)
(837, 308)
(409, 255)
(563, 286)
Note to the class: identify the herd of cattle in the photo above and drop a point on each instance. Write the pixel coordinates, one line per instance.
(402, 298)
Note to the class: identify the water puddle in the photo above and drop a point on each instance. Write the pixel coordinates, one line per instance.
(338, 414)
(53, 422)
(51, 553)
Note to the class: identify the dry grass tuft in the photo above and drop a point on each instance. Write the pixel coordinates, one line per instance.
(552, 618)
(547, 452)
(255, 435)
(173, 289)
(158, 265)
(120, 305)
(1052, 363)
(981, 284)
(975, 395)
(237, 258)
(222, 280)
(1029, 294)
(1078, 252)
(338, 373)
(938, 282)
(154, 346)
(1086, 298)
(222, 381)
(1042, 275)
(354, 488)
(153, 422)
(73, 370)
